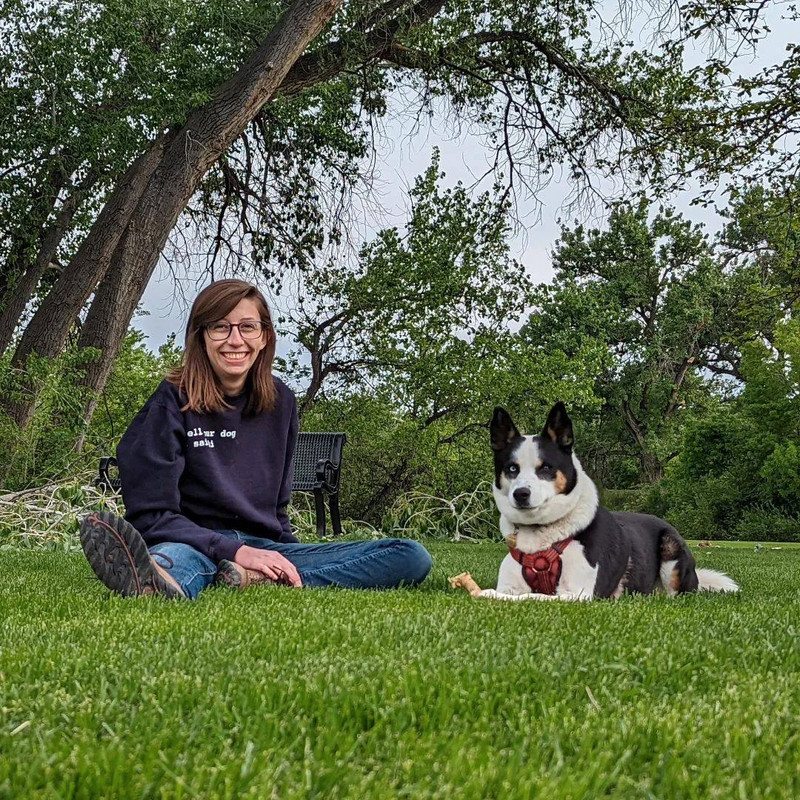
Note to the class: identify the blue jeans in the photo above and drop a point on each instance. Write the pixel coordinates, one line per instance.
(379, 564)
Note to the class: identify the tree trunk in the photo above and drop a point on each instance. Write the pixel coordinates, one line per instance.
(34, 233)
(20, 294)
(49, 328)
(652, 468)
(317, 376)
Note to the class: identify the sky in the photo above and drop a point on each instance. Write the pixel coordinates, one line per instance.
(403, 151)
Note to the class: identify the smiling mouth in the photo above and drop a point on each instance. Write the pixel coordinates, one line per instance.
(234, 356)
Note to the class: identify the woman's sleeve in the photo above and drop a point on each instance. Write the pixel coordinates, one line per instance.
(285, 494)
(151, 461)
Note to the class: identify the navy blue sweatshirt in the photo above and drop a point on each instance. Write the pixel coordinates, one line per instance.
(186, 475)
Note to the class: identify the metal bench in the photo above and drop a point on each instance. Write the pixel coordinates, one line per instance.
(317, 470)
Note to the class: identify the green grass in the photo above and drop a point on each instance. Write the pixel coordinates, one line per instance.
(420, 693)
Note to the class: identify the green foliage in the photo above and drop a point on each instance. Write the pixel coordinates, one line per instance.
(671, 314)
(409, 350)
(767, 524)
(757, 125)
(738, 474)
(781, 474)
(44, 449)
(385, 455)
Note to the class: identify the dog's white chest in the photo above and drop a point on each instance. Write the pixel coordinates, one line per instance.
(578, 576)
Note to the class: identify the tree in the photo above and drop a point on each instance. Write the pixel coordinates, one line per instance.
(762, 242)
(415, 305)
(513, 68)
(655, 294)
(753, 118)
(738, 473)
(412, 346)
(128, 235)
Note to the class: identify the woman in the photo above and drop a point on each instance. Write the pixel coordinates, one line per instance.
(206, 470)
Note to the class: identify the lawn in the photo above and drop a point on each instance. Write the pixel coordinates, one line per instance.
(420, 693)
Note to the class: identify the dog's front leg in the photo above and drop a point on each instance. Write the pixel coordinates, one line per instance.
(494, 594)
(509, 579)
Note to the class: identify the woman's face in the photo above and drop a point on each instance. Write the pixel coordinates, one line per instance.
(233, 357)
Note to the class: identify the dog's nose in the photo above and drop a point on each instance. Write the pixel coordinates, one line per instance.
(522, 496)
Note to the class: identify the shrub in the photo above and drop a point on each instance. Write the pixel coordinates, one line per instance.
(767, 524)
(44, 449)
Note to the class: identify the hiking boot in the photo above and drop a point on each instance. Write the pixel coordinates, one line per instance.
(237, 577)
(119, 556)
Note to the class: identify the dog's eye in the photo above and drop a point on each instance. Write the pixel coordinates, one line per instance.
(546, 468)
(512, 469)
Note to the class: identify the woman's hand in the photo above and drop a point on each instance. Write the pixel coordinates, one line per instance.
(272, 564)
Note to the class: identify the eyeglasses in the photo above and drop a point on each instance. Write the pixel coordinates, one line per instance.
(250, 329)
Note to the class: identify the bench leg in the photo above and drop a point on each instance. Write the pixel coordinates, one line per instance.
(333, 502)
(319, 505)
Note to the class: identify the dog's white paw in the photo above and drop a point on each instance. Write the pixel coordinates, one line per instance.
(537, 596)
(493, 594)
(573, 596)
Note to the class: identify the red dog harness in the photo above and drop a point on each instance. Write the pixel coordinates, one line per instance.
(541, 570)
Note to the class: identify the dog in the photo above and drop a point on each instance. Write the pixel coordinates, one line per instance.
(562, 544)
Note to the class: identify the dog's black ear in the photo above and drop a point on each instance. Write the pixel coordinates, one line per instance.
(558, 427)
(502, 429)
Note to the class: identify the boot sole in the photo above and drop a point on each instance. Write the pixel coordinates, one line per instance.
(119, 557)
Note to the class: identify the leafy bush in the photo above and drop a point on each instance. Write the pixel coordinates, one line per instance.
(44, 448)
(767, 524)
(738, 472)
(136, 374)
(781, 474)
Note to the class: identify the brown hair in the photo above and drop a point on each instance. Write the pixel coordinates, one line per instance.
(195, 377)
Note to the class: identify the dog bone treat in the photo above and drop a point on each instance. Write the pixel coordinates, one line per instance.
(465, 581)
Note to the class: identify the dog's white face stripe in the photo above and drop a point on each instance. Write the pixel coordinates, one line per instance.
(545, 503)
(527, 459)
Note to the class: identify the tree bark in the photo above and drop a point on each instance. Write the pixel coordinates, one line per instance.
(48, 330)
(19, 295)
(651, 467)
